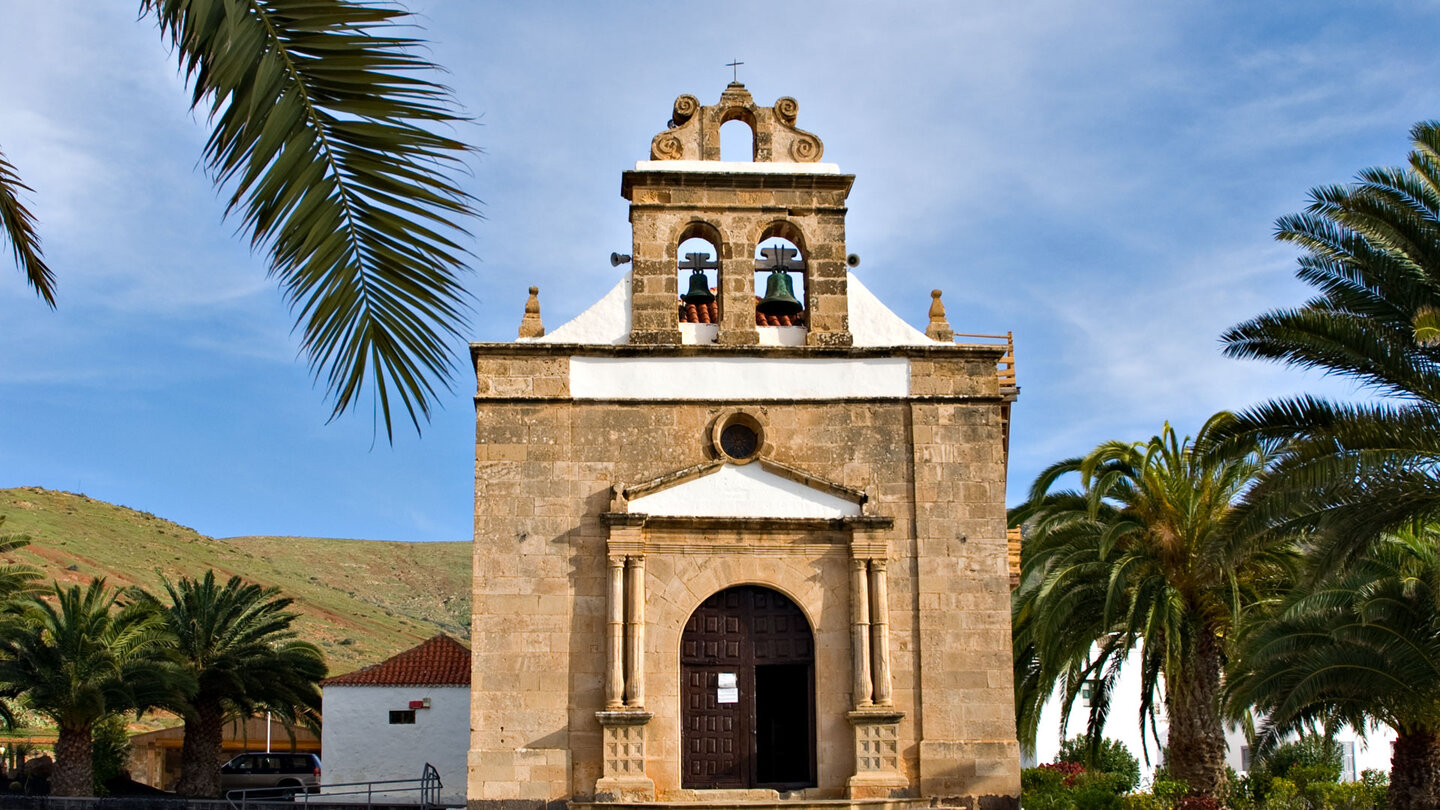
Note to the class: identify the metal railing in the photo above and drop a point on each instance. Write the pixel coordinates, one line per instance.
(357, 794)
(1005, 368)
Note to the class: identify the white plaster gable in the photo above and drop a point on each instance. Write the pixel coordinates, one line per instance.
(873, 324)
(744, 490)
(606, 322)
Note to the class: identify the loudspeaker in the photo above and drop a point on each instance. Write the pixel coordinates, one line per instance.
(853, 260)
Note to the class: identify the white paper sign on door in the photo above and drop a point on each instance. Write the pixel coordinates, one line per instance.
(727, 688)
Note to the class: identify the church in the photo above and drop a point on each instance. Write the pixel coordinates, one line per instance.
(740, 529)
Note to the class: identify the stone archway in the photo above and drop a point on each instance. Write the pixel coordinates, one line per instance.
(747, 690)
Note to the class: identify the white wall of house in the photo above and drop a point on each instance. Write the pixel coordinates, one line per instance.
(1123, 724)
(360, 744)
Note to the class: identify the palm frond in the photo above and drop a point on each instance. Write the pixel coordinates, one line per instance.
(18, 226)
(326, 134)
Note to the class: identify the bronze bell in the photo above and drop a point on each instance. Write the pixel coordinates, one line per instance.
(699, 292)
(779, 295)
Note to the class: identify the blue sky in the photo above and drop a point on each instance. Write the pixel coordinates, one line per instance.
(1102, 179)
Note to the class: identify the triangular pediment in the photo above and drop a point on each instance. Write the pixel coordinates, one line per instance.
(762, 489)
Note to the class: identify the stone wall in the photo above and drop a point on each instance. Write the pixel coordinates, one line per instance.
(545, 467)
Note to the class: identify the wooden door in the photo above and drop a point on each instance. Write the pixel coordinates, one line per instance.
(747, 692)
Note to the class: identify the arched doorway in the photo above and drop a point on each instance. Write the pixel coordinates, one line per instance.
(747, 690)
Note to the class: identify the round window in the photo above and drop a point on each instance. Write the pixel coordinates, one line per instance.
(739, 441)
(738, 436)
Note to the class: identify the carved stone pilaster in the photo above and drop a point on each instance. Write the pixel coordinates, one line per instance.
(877, 755)
(623, 777)
(860, 632)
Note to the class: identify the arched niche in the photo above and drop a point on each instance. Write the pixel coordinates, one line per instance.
(737, 136)
(697, 269)
(782, 244)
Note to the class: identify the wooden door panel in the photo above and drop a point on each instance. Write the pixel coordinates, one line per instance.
(732, 632)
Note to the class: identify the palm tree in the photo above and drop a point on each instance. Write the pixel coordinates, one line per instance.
(76, 656)
(1372, 250)
(325, 136)
(1141, 559)
(235, 644)
(1360, 646)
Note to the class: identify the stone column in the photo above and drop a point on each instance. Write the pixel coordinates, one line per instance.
(615, 636)
(880, 631)
(635, 634)
(860, 630)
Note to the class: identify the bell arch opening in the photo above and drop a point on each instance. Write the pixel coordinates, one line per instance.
(747, 691)
(781, 277)
(698, 281)
(737, 139)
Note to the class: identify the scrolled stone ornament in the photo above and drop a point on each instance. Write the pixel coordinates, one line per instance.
(805, 149)
(685, 108)
(667, 147)
(787, 108)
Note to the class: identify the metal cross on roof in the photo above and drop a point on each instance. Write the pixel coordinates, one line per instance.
(734, 65)
(778, 258)
(699, 261)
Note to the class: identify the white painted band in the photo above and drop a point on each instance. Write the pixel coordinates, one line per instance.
(735, 167)
(738, 378)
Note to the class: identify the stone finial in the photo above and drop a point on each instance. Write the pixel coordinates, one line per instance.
(530, 325)
(694, 130)
(938, 328)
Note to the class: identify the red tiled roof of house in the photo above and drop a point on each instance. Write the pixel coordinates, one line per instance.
(710, 313)
(441, 661)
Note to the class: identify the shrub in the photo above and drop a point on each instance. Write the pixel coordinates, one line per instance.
(109, 751)
(1068, 770)
(1112, 757)
(1239, 792)
(1283, 795)
(1044, 789)
(1142, 801)
(1098, 791)
(1305, 764)
(1169, 791)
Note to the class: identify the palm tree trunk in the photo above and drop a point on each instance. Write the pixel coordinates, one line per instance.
(73, 775)
(200, 751)
(1197, 737)
(1415, 771)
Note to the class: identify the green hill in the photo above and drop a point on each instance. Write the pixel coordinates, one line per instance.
(361, 601)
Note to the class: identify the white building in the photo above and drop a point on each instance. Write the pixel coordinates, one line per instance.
(388, 720)
(1123, 724)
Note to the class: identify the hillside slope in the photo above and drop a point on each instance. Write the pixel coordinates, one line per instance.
(360, 600)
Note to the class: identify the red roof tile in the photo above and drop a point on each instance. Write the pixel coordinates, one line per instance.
(710, 313)
(441, 661)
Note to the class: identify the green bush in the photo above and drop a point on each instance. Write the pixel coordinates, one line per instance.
(1044, 789)
(1307, 765)
(1113, 757)
(1169, 791)
(1283, 795)
(1370, 793)
(1239, 794)
(109, 751)
(1098, 791)
(1142, 801)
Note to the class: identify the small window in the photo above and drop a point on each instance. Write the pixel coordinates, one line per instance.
(402, 717)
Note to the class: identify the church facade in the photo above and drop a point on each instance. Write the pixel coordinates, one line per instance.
(734, 546)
